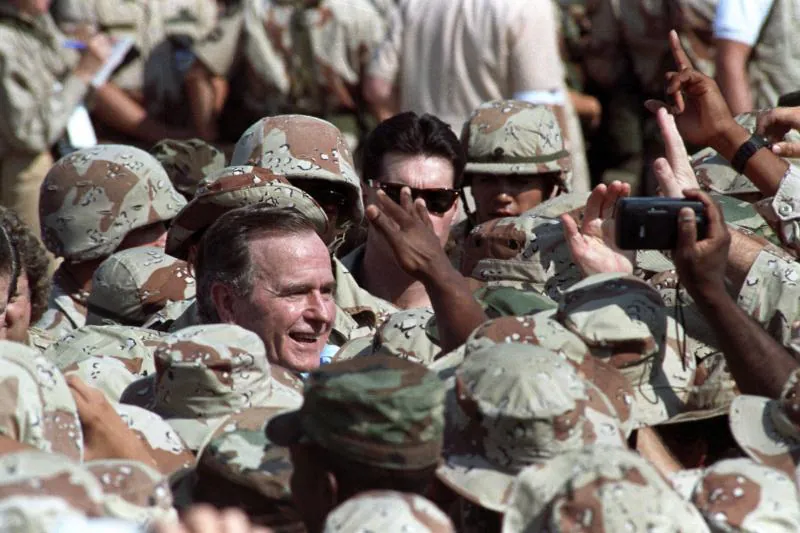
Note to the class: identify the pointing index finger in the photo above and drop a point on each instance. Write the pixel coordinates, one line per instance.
(678, 53)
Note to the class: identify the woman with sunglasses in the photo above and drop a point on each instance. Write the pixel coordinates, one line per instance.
(423, 154)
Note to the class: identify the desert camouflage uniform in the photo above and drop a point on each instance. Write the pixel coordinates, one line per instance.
(132, 285)
(188, 162)
(738, 495)
(90, 201)
(37, 407)
(514, 405)
(205, 373)
(38, 93)
(38, 339)
(597, 489)
(388, 512)
(379, 411)
(782, 211)
(106, 357)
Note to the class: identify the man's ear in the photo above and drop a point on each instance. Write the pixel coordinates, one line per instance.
(224, 300)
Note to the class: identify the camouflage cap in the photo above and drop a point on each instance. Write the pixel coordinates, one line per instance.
(92, 198)
(518, 405)
(389, 512)
(380, 411)
(163, 443)
(405, 335)
(739, 495)
(597, 488)
(623, 321)
(204, 373)
(37, 407)
(132, 285)
(301, 147)
(133, 491)
(188, 162)
(526, 252)
(234, 187)
(107, 357)
(511, 137)
(769, 430)
(542, 329)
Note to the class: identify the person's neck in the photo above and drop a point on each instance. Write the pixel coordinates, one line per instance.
(381, 276)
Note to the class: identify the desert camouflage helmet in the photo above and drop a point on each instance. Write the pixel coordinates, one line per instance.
(188, 162)
(389, 512)
(93, 198)
(510, 137)
(301, 147)
(233, 187)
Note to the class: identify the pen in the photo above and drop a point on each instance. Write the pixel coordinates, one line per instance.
(73, 44)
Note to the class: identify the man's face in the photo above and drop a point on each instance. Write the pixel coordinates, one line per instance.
(421, 172)
(291, 306)
(18, 312)
(499, 196)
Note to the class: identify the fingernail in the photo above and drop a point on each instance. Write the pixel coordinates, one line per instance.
(776, 149)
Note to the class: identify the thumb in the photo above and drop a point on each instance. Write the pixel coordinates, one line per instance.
(786, 149)
(687, 230)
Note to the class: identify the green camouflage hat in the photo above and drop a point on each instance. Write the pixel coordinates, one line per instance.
(526, 252)
(388, 512)
(39, 488)
(510, 137)
(518, 405)
(163, 443)
(92, 198)
(107, 357)
(38, 408)
(234, 187)
(543, 330)
(188, 162)
(204, 373)
(132, 285)
(379, 411)
(133, 491)
(597, 489)
(623, 321)
(738, 495)
(301, 147)
(769, 430)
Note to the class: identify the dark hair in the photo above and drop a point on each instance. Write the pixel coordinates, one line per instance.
(224, 253)
(9, 263)
(410, 134)
(32, 258)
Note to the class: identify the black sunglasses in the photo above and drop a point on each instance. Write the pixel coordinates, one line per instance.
(438, 201)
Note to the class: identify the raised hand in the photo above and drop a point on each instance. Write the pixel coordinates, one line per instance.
(673, 172)
(775, 124)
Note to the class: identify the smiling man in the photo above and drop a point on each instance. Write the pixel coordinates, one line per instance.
(268, 271)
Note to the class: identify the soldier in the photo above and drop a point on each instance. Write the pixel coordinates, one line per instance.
(29, 302)
(131, 286)
(94, 202)
(383, 437)
(41, 85)
(388, 511)
(188, 162)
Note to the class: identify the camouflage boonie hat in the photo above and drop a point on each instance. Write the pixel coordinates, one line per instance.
(379, 411)
(597, 488)
(132, 285)
(405, 335)
(188, 162)
(45, 487)
(92, 198)
(623, 321)
(37, 407)
(518, 405)
(231, 188)
(510, 137)
(388, 512)
(133, 491)
(769, 430)
(204, 373)
(107, 357)
(543, 330)
(301, 147)
(739, 495)
(526, 252)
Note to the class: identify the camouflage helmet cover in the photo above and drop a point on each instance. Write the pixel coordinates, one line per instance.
(188, 162)
(91, 199)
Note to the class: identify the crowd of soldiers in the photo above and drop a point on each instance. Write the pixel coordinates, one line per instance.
(340, 266)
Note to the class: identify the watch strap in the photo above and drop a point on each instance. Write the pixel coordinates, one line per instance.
(746, 151)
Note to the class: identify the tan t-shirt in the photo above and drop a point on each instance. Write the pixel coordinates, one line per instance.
(449, 56)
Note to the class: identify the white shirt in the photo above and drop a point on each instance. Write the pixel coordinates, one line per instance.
(741, 20)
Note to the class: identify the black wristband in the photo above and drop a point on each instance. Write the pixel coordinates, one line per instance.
(746, 151)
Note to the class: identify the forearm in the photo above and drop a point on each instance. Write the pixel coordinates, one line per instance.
(206, 98)
(742, 255)
(586, 106)
(732, 77)
(113, 107)
(458, 313)
(758, 363)
(764, 168)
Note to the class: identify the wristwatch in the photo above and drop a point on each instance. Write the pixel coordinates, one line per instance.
(747, 150)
